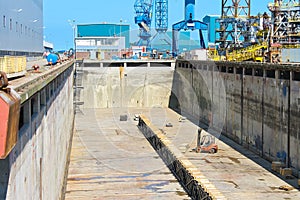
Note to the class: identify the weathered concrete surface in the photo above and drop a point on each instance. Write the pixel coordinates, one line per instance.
(134, 87)
(35, 168)
(255, 105)
(111, 159)
(232, 174)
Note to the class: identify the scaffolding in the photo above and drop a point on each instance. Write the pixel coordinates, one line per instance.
(234, 24)
(286, 23)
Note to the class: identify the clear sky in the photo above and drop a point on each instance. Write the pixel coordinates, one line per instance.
(57, 13)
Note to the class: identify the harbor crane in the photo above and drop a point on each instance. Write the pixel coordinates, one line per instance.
(189, 23)
(143, 10)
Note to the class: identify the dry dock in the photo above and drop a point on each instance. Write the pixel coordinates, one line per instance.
(225, 175)
(112, 160)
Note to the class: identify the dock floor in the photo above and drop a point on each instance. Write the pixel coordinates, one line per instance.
(235, 175)
(111, 159)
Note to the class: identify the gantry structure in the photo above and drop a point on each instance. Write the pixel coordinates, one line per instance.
(233, 24)
(286, 23)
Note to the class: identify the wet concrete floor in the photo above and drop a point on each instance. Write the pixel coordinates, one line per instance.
(111, 159)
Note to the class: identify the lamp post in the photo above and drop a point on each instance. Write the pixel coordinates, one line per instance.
(73, 25)
(120, 38)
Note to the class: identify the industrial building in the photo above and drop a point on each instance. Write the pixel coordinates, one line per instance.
(21, 30)
(101, 41)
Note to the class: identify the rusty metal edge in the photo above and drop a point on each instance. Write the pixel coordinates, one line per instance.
(30, 87)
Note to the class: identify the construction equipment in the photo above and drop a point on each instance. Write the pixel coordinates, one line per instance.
(207, 144)
(189, 23)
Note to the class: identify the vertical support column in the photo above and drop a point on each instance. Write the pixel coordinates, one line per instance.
(263, 111)
(289, 121)
(209, 67)
(278, 139)
(4, 177)
(43, 102)
(174, 42)
(242, 105)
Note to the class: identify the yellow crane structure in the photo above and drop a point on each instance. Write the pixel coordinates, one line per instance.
(255, 53)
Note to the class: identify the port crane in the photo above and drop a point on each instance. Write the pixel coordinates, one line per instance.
(143, 10)
(143, 18)
(189, 23)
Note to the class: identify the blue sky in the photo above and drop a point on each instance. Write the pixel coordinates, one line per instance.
(57, 13)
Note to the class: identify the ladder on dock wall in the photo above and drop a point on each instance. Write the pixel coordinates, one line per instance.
(78, 85)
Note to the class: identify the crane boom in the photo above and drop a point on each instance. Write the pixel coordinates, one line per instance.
(143, 10)
(189, 23)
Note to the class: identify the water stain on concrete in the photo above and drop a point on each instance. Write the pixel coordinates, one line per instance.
(155, 187)
(85, 178)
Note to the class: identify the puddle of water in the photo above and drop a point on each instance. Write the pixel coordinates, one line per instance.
(135, 176)
(155, 187)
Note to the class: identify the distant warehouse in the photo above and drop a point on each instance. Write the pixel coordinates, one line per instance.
(101, 41)
(21, 28)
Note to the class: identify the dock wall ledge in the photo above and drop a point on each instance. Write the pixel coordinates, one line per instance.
(192, 180)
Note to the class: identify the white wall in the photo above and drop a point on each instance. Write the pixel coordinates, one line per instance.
(29, 14)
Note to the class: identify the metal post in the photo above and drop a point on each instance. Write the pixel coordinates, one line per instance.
(120, 37)
(72, 24)
(74, 37)
(198, 148)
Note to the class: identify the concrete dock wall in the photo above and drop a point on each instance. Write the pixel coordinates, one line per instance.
(257, 105)
(35, 169)
(130, 86)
